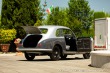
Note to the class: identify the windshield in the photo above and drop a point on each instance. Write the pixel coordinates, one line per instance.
(43, 30)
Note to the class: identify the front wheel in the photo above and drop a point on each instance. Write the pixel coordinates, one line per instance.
(86, 55)
(55, 55)
(29, 56)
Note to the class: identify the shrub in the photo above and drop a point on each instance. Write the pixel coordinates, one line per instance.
(6, 35)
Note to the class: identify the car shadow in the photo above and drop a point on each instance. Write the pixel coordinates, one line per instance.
(90, 65)
(40, 60)
(76, 58)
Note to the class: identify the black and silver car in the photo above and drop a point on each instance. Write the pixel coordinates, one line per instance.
(54, 41)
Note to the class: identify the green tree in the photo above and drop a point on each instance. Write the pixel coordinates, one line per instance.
(0, 20)
(38, 23)
(80, 17)
(101, 14)
(20, 13)
(58, 16)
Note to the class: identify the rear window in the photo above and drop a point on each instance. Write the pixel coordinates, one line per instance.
(43, 30)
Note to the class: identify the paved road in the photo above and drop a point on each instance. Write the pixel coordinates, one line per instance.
(43, 64)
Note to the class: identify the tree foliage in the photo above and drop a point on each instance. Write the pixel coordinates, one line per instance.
(58, 16)
(0, 20)
(20, 13)
(101, 14)
(80, 16)
(38, 23)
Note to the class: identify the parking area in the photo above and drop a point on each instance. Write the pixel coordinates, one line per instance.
(43, 64)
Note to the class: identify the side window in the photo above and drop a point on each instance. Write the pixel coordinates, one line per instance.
(43, 30)
(62, 31)
(69, 32)
(59, 33)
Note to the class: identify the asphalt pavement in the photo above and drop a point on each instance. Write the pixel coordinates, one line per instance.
(12, 63)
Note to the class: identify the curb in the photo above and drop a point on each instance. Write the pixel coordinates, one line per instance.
(19, 54)
(12, 54)
(7, 54)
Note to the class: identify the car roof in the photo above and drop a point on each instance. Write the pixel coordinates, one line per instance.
(52, 30)
(52, 26)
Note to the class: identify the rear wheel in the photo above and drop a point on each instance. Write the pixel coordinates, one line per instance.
(63, 56)
(29, 56)
(55, 55)
(86, 55)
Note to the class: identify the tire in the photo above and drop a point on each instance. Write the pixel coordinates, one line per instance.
(63, 57)
(86, 55)
(29, 57)
(55, 55)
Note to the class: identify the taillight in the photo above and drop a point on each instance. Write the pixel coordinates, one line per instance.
(39, 45)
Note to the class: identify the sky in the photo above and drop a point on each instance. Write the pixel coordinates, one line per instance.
(96, 5)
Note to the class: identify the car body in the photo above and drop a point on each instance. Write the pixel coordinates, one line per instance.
(55, 41)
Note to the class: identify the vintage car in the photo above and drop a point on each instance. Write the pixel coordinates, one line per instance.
(54, 41)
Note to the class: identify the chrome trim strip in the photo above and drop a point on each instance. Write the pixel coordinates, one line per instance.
(34, 50)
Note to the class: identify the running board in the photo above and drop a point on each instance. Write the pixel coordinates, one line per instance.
(73, 52)
(34, 50)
